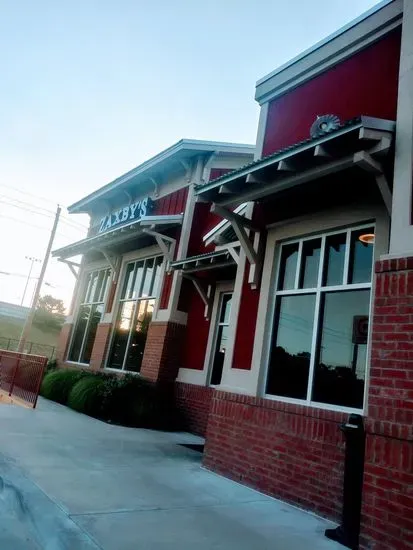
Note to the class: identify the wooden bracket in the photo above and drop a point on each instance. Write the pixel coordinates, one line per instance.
(71, 266)
(206, 294)
(366, 162)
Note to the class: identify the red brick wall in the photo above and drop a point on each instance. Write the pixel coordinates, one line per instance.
(387, 521)
(194, 403)
(63, 342)
(289, 451)
(100, 346)
(163, 350)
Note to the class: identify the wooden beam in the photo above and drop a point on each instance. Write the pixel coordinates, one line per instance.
(233, 217)
(366, 162)
(321, 152)
(384, 189)
(285, 166)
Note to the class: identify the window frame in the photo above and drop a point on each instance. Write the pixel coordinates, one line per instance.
(221, 292)
(318, 291)
(127, 260)
(84, 289)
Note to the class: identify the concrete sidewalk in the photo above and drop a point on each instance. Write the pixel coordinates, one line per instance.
(69, 482)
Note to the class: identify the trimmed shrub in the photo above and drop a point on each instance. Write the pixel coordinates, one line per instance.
(86, 395)
(57, 384)
(51, 366)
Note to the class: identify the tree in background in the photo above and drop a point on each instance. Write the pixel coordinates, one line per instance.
(50, 313)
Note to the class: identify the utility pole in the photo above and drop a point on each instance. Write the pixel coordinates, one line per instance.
(29, 320)
(32, 260)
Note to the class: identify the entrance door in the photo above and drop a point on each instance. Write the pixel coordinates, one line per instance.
(221, 337)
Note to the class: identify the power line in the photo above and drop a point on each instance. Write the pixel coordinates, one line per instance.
(34, 225)
(27, 193)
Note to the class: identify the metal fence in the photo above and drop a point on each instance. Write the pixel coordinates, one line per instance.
(21, 375)
(12, 344)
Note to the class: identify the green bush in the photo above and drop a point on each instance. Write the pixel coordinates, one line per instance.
(51, 366)
(57, 384)
(87, 394)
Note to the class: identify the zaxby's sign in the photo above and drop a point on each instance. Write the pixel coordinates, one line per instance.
(127, 214)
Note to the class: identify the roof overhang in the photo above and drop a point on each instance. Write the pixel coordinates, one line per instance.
(218, 259)
(148, 225)
(361, 142)
(178, 156)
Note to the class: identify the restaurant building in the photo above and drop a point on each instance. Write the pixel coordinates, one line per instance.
(272, 286)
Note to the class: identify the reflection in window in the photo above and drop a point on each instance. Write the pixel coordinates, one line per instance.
(290, 357)
(361, 257)
(221, 339)
(89, 315)
(289, 257)
(309, 263)
(137, 303)
(340, 366)
(319, 342)
(334, 261)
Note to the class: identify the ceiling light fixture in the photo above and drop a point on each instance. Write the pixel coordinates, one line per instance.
(367, 238)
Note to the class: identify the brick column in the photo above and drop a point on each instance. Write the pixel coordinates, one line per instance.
(387, 521)
(162, 357)
(100, 345)
(63, 342)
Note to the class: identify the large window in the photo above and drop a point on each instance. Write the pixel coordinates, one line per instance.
(89, 315)
(319, 342)
(137, 302)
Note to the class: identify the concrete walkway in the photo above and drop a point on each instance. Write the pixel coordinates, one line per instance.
(69, 482)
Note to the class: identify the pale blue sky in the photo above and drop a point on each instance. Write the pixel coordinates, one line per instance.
(91, 88)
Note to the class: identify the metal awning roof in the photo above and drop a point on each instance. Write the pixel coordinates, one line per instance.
(120, 235)
(362, 142)
(203, 262)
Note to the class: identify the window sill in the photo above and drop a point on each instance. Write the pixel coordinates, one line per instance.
(76, 364)
(314, 404)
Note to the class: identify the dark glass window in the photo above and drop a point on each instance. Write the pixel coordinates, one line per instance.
(318, 351)
(291, 348)
(221, 339)
(361, 257)
(288, 266)
(310, 262)
(340, 366)
(334, 261)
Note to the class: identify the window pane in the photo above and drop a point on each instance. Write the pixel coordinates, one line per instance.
(148, 276)
(334, 260)
(310, 262)
(288, 266)
(291, 347)
(361, 257)
(225, 308)
(139, 335)
(86, 289)
(157, 278)
(81, 324)
(219, 355)
(127, 285)
(105, 283)
(137, 282)
(97, 312)
(121, 335)
(92, 286)
(340, 369)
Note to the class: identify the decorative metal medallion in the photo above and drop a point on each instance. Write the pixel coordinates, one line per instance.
(324, 124)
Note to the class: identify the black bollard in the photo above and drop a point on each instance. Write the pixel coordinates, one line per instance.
(348, 532)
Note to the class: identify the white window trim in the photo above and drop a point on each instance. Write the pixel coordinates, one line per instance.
(93, 266)
(318, 224)
(249, 382)
(143, 254)
(318, 292)
(202, 377)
